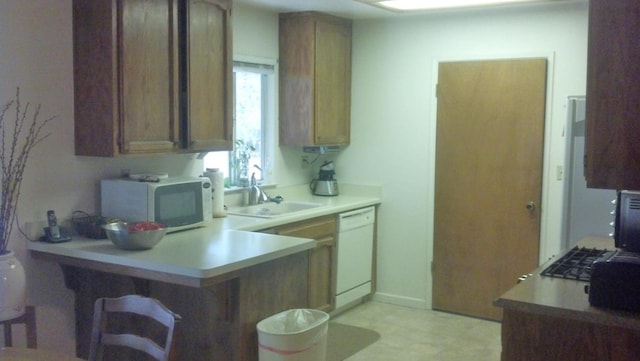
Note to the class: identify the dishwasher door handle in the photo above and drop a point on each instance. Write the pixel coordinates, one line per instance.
(354, 214)
(355, 219)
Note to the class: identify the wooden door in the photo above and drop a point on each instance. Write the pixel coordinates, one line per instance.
(488, 181)
(210, 67)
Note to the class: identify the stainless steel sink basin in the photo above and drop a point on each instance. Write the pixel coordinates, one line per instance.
(268, 210)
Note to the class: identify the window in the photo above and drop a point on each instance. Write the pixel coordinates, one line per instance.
(253, 112)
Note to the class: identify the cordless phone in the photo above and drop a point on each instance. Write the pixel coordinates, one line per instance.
(54, 233)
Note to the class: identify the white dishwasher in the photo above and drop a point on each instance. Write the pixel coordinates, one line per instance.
(355, 255)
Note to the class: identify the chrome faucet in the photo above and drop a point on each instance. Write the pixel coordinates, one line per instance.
(257, 195)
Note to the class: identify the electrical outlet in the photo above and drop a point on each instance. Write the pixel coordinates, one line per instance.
(304, 161)
(559, 173)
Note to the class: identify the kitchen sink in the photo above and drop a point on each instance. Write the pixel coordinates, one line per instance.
(268, 210)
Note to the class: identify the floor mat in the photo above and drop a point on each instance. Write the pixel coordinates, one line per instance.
(345, 340)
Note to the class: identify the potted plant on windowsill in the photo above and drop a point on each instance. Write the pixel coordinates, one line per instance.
(18, 137)
(242, 152)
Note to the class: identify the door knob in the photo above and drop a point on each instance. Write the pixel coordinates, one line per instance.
(531, 206)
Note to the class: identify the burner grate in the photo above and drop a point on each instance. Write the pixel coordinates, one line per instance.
(575, 264)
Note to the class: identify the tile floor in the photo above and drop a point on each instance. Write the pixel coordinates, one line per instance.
(408, 334)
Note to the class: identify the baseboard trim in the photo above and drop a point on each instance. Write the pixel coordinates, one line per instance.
(401, 301)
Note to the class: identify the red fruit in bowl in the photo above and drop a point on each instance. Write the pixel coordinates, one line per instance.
(144, 226)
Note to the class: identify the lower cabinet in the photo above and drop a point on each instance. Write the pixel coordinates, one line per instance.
(322, 259)
(528, 336)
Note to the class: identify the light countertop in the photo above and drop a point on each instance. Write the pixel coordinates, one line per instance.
(224, 245)
(329, 205)
(564, 298)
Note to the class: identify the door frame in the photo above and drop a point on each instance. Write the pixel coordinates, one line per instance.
(547, 244)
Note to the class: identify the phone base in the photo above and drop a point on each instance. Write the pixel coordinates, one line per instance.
(64, 236)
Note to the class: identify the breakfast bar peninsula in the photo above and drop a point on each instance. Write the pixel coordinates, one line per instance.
(221, 282)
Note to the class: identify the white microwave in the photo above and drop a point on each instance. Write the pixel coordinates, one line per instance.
(176, 202)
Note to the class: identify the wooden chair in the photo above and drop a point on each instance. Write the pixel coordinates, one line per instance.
(29, 321)
(140, 308)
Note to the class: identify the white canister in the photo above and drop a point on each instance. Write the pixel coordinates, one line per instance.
(217, 191)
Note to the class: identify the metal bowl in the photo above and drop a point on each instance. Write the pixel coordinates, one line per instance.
(122, 238)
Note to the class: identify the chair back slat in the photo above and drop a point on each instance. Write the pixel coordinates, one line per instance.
(135, 342)
(109, 311)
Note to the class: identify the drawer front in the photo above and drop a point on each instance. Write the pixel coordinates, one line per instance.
(315, 228)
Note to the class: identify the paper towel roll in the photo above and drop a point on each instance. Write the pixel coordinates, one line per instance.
(217, 191)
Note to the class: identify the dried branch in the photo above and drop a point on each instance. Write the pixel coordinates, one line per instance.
(17, 143)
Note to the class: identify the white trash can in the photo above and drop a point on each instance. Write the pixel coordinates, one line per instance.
(293, 335)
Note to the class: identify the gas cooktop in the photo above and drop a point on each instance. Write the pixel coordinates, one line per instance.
(575, 264)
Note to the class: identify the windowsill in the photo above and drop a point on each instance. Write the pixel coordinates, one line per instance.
(236, 189)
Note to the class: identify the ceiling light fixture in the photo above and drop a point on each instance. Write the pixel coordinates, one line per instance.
(411, 5)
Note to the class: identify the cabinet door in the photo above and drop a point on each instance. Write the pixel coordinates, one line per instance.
(333, 83)
(148, 76)
(95, 78)
(613, 95)
(210, 66)
(322, 259)
(296, 39)
(321, 275)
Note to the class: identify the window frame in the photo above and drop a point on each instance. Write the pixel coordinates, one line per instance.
(268, 69)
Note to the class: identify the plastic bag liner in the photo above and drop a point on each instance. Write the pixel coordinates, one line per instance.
(293, 335)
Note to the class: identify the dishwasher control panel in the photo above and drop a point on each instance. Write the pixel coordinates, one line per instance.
(357, 218)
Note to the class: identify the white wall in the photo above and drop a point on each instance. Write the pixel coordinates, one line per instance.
(392, 127)
(393, 120)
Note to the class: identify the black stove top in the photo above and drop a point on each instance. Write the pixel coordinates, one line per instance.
(575, 264)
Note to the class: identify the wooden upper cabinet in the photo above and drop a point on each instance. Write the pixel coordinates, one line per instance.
(613, 95)
(210, 69)
(315, 79)
(132, 89)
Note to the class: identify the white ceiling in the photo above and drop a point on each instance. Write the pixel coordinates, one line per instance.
(346, 8)
(357, 10)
